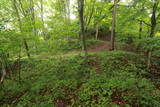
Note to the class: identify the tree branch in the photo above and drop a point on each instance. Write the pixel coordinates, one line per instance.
(91, 15)
(144, 22)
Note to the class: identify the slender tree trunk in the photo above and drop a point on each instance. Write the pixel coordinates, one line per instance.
(20, 26)
(153, 18)
(90, 16)
(68, 18)
(42, 19)
(97, 29)
(152, 30)
(149, 55)
(17, 13)
(7, 64)
(81, 11)
(19, 65)
(140, 29)
(113, 26)
(33, 17)
(27, 48)
(152, 33)
(3, 71)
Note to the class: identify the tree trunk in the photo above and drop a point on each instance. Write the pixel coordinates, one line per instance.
(149, 55)
(33, 17)
(20, 26)
(152, 30)
(97, 28)
(89, 17)
(17, 13)
(19, 65)
(140, 29)
(42, 19)
(81, 12)
(3, 72)
(113, 26)
(153, 18)
(27, 48)
(69, 22)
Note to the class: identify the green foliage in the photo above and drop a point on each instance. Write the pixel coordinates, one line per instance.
(73, 79)
(60, 45)
(153, 45)
(123, 61)
(47, 29)
(9, 42)
(124, 87)
(149, 44)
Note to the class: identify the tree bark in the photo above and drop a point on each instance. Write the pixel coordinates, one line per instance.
(19, 65)
(81, 13)
(97, 29)
(42, 19)
(153, 18)
(33, 17)
(3, 72)
(68, 21)
(20, 27)
(113, 26)
(90, 16)
(149, 55)
(140, 29)
(27, 48)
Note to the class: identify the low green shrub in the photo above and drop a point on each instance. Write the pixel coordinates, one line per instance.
(74, 81)
(120, 88)
(124, 61)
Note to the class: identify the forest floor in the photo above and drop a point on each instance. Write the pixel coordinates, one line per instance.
(102, 46)
(106, 78)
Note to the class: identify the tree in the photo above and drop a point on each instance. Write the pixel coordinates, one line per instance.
(42, 19)
(81, 12)
(20, 26)
(154, 17)
(3, 70)
(113, 25)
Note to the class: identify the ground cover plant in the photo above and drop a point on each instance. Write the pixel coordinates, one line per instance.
(79, 53)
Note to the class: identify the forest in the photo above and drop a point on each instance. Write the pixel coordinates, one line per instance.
(79, 53)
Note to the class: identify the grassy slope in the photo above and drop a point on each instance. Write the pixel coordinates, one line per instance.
(105, 78)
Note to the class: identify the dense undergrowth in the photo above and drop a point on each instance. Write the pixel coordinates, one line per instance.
(79, 53)
(116, 78)
(62, 45)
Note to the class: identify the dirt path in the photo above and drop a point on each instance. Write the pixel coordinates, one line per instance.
(104, 45)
